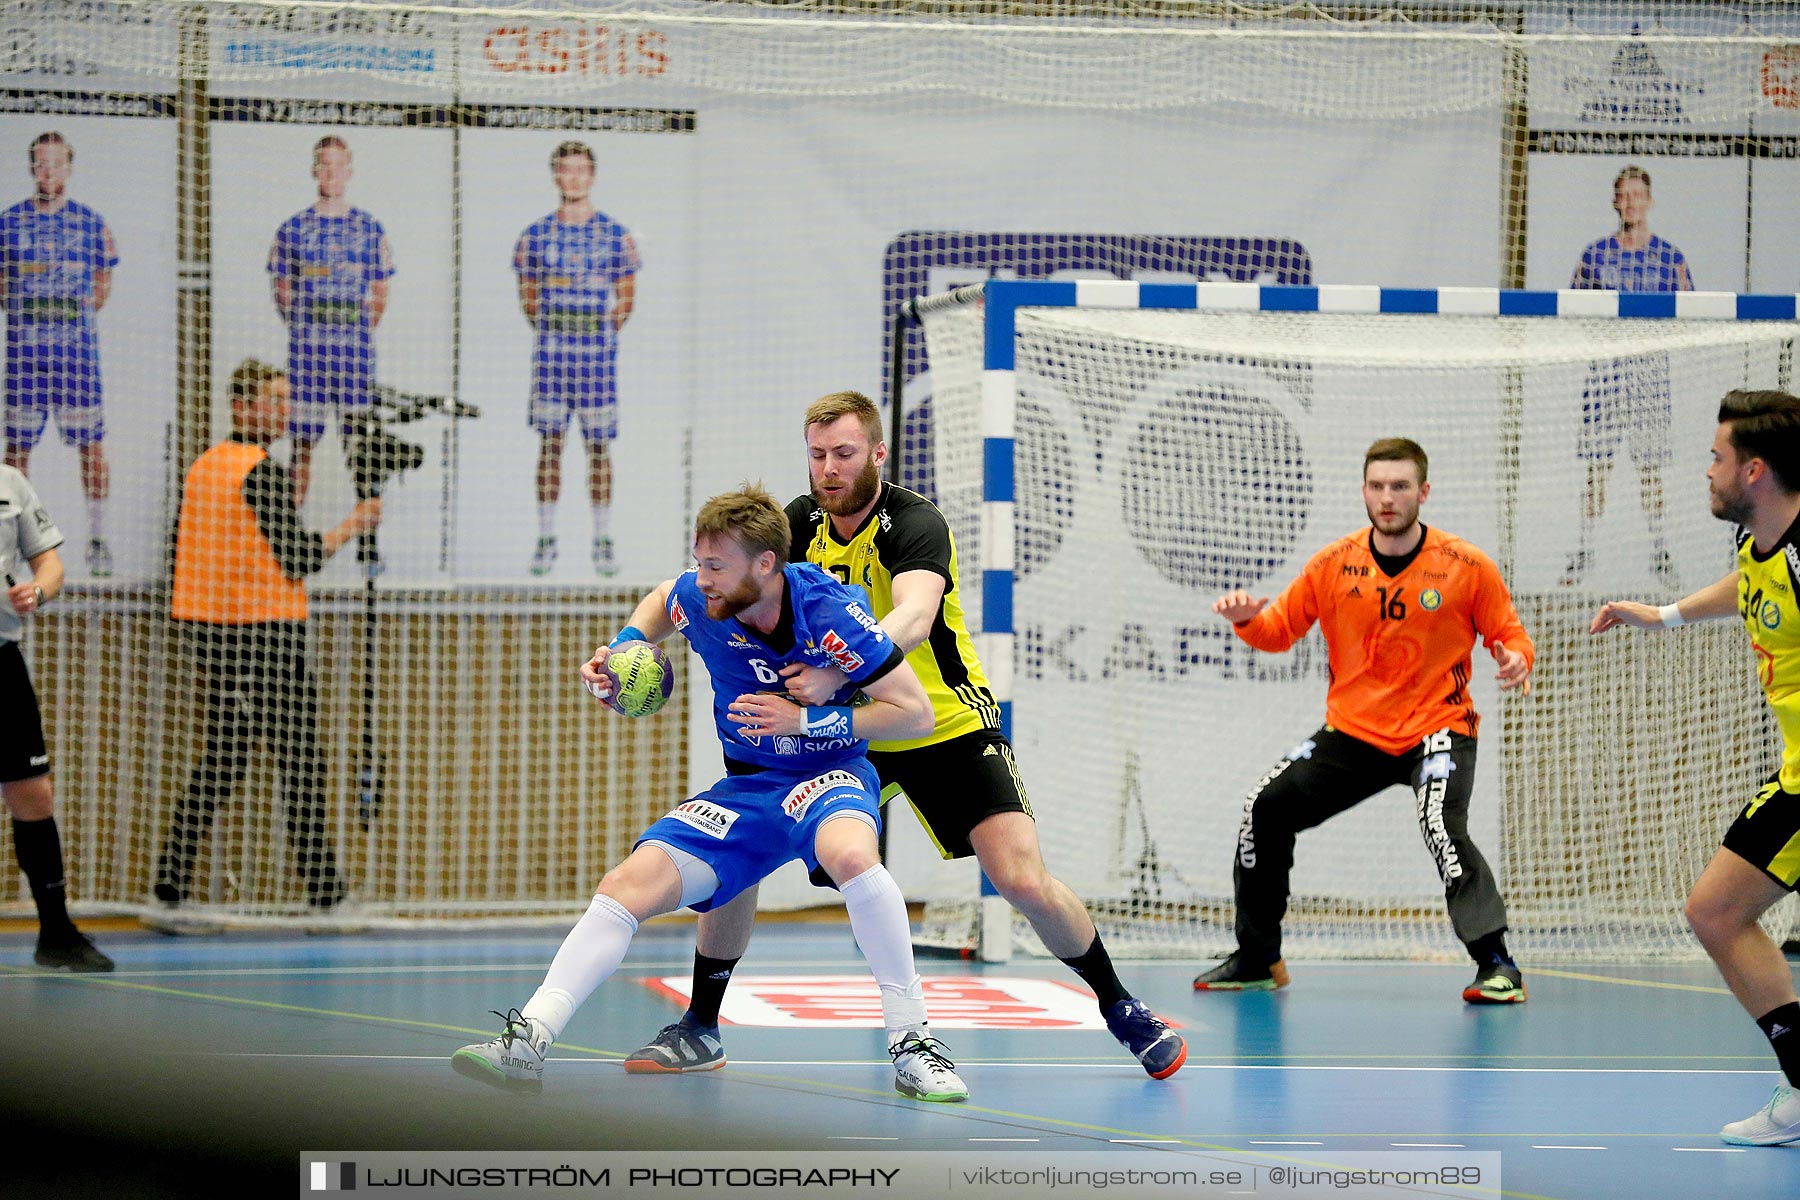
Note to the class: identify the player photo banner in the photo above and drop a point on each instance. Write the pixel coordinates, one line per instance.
(87, 269)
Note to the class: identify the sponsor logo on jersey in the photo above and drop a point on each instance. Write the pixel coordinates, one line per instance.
(1437, 766)
(787, 743)
(739, 642)
(847, 659)
(1770, 615)
(864, 619)
(1352, 569)
(677, 614)
(800, 799)
(1430, 598)
(706, 816)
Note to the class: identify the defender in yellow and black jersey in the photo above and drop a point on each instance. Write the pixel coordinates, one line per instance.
(1754, 480)
(905, 532)
(1768, 588)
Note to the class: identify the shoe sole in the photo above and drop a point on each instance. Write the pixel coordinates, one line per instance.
(649, 1066)
(939, 1098)
(1784, 1139)
(1278, 978)
(479, 1069)
(1477, 996)
(75, 967)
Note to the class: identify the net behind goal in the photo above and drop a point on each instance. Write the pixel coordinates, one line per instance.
(1114, 457)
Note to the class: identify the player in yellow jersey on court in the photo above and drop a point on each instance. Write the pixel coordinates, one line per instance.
(961, 778)
(1754, 481)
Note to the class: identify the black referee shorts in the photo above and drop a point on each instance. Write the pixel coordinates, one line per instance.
(23, 754)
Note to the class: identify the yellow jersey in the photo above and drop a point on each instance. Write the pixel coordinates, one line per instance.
(1769, 603)
(906, 532)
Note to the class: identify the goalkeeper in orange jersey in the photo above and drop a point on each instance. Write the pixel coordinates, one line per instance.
(1400, 606)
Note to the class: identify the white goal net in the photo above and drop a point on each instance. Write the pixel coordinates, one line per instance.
(1162, 458)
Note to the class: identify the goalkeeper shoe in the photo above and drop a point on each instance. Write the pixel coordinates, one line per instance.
(1774, 1124)
(1237, 975)
(1498, 984)
(513, 1061)
(1159, 1048)
(921, 1071)
(684, 1046)
(544, 557)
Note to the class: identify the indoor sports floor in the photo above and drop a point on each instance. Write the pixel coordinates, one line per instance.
(221, 1058)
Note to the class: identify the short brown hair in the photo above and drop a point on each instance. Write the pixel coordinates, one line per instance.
(1398, 449)
(751, 516)
(1632, 173)
(250, 377)
(328, 142)
(570, 149)
(1765, 424)
(49, 138)
(827, 409)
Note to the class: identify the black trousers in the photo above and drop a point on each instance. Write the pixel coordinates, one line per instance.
(255, 692)
(1332, 772)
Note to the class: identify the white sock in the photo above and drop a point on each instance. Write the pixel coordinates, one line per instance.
(602, 520)
(592, 951)
(96, 515)
(547, 520)
(878, 919)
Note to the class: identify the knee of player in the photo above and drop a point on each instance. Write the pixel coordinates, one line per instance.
(1023, 883)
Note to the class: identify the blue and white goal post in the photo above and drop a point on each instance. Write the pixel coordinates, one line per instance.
(1113, 456)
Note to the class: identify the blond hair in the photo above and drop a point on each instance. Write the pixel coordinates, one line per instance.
(827, 409)
(751, 517)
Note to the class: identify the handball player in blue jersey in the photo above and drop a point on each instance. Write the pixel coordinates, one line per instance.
(329, 268)
(577, 272)
(56, 264)
(798, 785)
(1627, 399)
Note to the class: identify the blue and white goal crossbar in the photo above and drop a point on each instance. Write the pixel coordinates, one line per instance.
(999, 391)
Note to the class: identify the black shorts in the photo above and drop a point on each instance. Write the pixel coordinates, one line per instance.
(955, 785)
(23, 754)
(1767, 833)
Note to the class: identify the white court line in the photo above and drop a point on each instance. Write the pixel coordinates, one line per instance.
(1145, 1141)
(1707, 1149)
(1254, 1142)
(1429, 1145)
(1006, 1139)
(1569, 1147)
(425, 969)
(1035, 1065)
(851, 1137)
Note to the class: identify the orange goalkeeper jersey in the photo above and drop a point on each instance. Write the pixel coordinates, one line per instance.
(1399, 646)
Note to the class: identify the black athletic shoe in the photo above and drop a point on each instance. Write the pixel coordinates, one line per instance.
(73, 953)
(1498, 984)
(1236, 975)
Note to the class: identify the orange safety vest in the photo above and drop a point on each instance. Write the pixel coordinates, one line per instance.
(225, 570)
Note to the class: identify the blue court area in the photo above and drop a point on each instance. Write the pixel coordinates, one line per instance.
(206, 1065)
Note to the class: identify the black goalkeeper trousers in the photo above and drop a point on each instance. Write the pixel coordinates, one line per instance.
(1331, 772)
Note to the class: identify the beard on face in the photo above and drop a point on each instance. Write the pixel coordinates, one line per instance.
(733, 602)
(862, 489)
(1731, 506)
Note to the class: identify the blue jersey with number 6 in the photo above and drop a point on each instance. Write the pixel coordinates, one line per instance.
(823, 624)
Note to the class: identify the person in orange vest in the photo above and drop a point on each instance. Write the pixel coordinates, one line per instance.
(241, 558)
(33, 574)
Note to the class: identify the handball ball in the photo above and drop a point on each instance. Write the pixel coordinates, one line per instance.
(641, 676)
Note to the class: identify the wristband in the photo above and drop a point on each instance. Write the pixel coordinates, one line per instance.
(828, 722)
(631, 633)
(38, 594)
(1671, 616)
